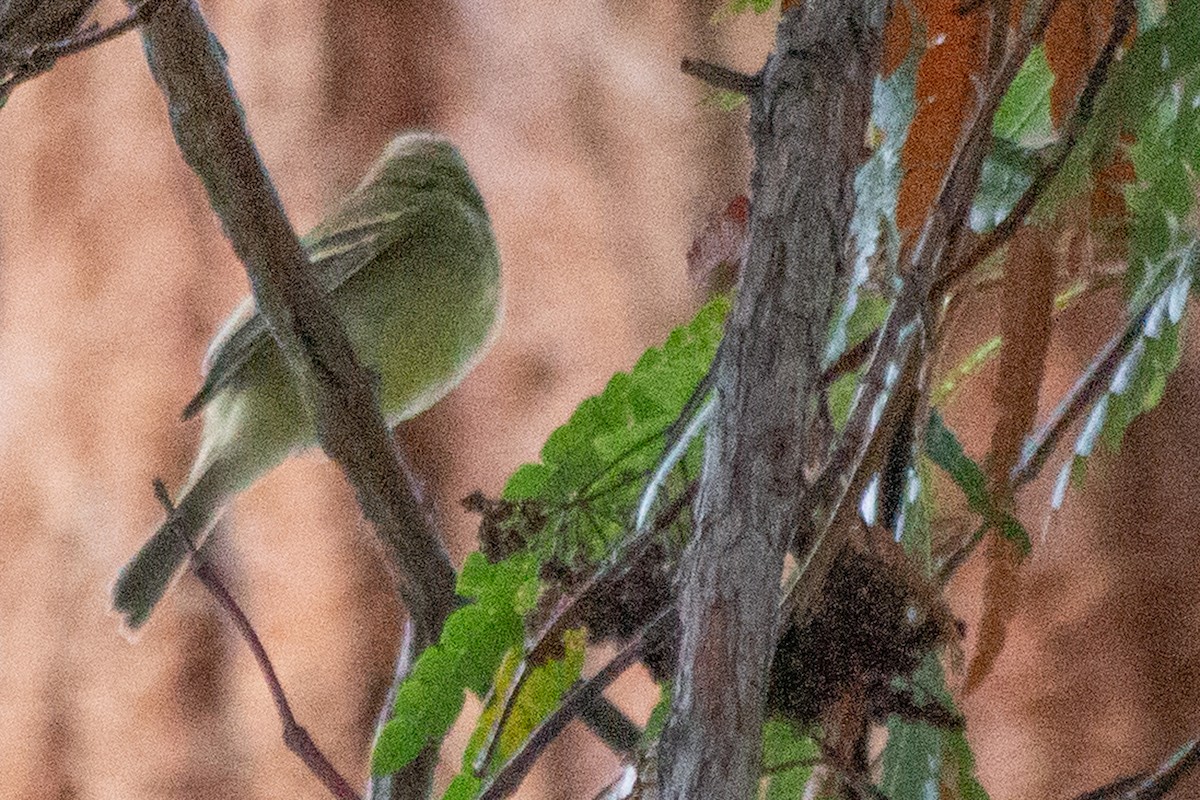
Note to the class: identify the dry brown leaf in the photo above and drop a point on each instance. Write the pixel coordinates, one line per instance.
(946, 95)
(1026, 324)
(1074, 39)
(716, 256)
(897, 38)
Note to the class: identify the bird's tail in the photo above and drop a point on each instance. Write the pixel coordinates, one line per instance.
(147, 576)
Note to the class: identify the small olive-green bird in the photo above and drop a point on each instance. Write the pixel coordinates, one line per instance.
(410, 267)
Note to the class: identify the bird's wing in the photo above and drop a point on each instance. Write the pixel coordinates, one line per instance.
(335, 257)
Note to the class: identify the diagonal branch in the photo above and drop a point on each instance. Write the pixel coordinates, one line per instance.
(1151, 784)
(295, 737)
(189, 67)
(985, 245)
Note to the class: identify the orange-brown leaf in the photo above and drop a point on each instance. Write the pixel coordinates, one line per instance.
(946, 95)
(1073, 42)
(897, 38)
(1026, 324)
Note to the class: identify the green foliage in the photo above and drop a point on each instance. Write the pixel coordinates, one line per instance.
(474, 640)
(922, 762)
(788, 757)
(1021, 127)
(1160, 78)
(658, 717)
(1023, 117)
(964, 369)
(579, 500)
(464, 787)
(944, 449)
(538, 691)
(588, 481)
(1007, 172)
(734, 7)
(585, 490)
(1164, 53)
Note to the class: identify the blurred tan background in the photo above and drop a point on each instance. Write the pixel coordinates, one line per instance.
(599, 162)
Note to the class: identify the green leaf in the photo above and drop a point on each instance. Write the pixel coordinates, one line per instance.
(1023, 117)
(658, 717)
(960, 762)
(488, 718)
(589, 478)
(735, 7)
(786, 757)
(1007, 172)
(944, 449)
(464, 787)
(912, 761)
(466, 656)
(877, 182)
(540, 692)
(919, 760)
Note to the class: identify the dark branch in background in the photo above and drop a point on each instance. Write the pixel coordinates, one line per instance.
(26, 61)
(809, 110)
(985, 245)
(722, 78)
(584, 694)
(189, 67)
(295, 737)
(1151, 784)
(892, 362)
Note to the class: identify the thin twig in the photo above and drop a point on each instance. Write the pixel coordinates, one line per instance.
(1082, 394)
(509, 778)
(295, 737)
(985, 245)
(1151, 784)
(998, 34)
(719, 77)
(39, 59)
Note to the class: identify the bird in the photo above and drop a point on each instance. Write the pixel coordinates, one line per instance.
(409, 264)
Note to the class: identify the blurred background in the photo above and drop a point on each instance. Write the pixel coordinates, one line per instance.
(599, 162)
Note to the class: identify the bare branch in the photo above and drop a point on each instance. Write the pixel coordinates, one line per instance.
(207, 121)
(295, 737)
(1151, 784)
(1083, 393)
(28, 64)
(720, 77)
(208, 125)
(807, 124)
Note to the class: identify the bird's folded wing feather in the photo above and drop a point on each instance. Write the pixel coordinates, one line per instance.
(335, 258)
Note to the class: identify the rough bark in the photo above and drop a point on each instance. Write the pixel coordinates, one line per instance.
(807, 123)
